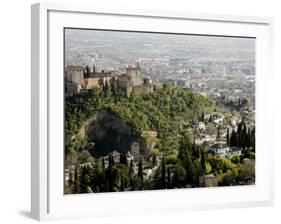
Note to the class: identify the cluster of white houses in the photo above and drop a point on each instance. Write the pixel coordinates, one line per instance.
(77, 79)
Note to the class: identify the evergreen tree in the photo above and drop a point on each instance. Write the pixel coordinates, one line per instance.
(189, 169)
(112, 160)
(110, 173)
(140, 174)
(244, 129)
(179, 176)
(169, 178)
(218, 133)
(107, 89)
(131, 173)
(184, 157)
(240, 127)
(163, 174)
(203, 161)
(227, 138)
(86, 72)
(123, 159)
(113, 86)
(203, 117)
(122, 188)
(103, 163)
(153, 160)
(70, 181)
(253, 139)
(185, 146)
(243, 142)
(131, 168)
(83, 187)
(104, 181)
(76, 186)
(239, 103)
(233, 139)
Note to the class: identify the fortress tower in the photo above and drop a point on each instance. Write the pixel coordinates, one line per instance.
(135, 75)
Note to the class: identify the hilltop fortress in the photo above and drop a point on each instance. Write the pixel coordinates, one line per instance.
(79, 79)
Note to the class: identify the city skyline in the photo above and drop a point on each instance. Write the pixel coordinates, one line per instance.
(114, 50)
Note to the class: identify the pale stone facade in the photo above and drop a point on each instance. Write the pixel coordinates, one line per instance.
(125, 83)
(129, 82)
(91, 83)
(208, 181)
(75, 74)
(135, 150)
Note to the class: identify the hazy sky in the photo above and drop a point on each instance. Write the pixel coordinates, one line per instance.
(108, 48)
(80, 35)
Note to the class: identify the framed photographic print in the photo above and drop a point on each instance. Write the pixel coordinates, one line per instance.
(165, 111)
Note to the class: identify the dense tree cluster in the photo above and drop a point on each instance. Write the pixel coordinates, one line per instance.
(181, 161)
(191, 162)
(244, 137)
(162, 111)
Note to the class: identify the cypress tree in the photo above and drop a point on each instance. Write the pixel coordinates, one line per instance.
(123, 159)
(189, 169)
(163, 175)
(203, 117)
(76, 189)
(140, 174)
(107, 89)
(243, 140)
(218, 133)
(253, 139)
(239, 102)
(233, 139)
(184, 157)
(103, 176)
(86, 71)
(153, 160)
(227, 138)
(244, 128)
(203, 161)
(110, 174)
(112, 160)
(70, 181)
(239, 129)
(103, 163)
(131, 173)
(122, 183)
(82, 180)
(131, 168)
(169, 177)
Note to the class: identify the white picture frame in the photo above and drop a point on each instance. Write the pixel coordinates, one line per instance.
(47, 200)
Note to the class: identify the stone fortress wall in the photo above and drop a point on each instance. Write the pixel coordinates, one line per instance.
(131, 82)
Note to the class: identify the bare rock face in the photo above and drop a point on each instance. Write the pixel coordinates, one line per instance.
(109, 133)
(106, 132)
(146, 145)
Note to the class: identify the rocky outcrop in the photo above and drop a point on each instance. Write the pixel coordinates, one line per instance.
(146, 146)
(108, 132)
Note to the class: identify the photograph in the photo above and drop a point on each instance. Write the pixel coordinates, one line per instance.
(157, 111)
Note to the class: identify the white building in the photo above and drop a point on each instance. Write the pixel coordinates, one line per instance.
(219, 149)
(199, 126)
(217, 117)
(233, 151)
